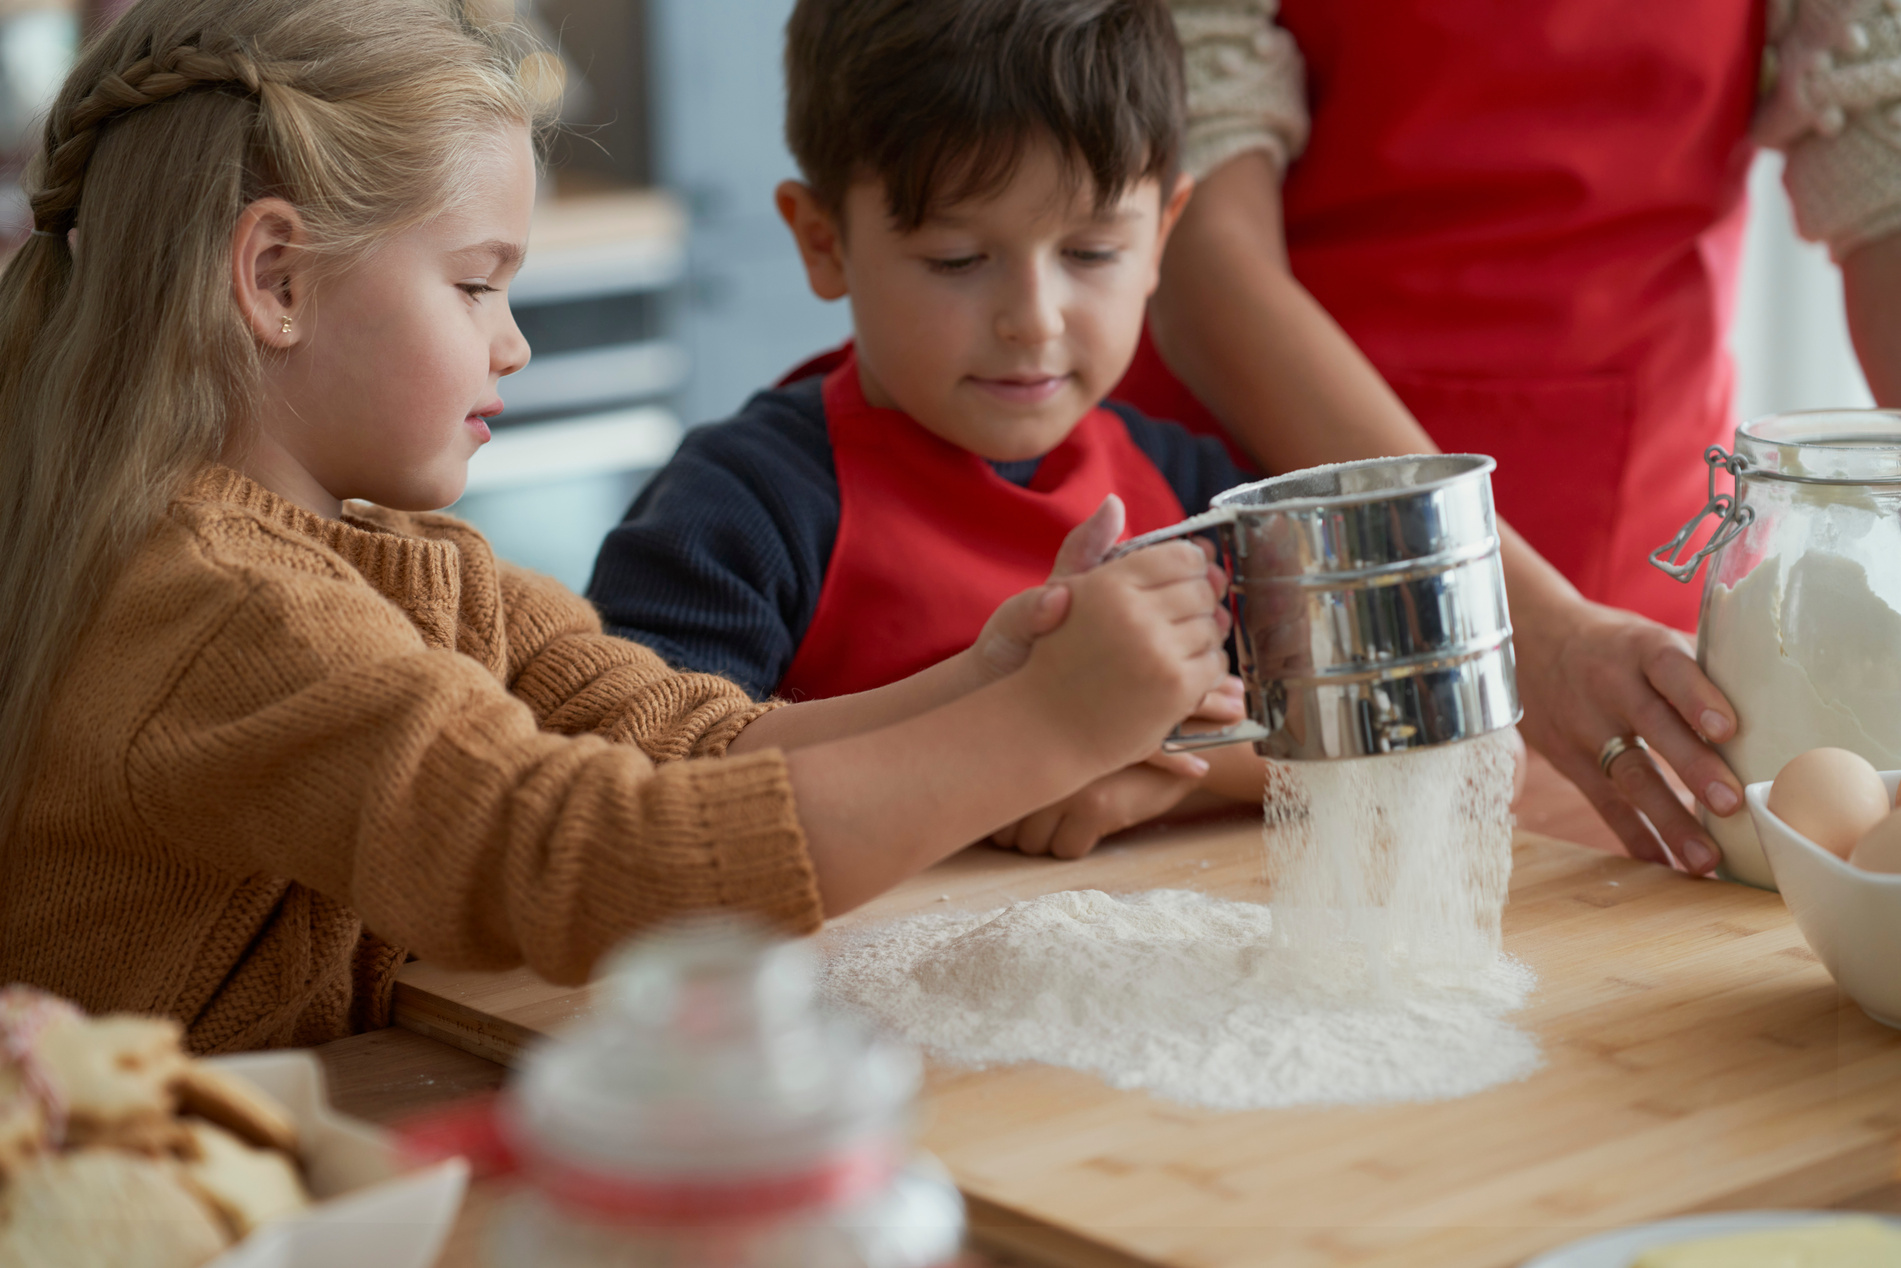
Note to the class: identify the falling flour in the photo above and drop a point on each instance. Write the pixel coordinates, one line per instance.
(1375, 975)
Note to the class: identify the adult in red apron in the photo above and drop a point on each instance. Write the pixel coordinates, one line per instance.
(1528, 217)
(931, 539)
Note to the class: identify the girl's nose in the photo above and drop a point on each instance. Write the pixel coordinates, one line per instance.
(510, 351)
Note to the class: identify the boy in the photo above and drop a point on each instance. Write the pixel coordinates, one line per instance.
(991, 183)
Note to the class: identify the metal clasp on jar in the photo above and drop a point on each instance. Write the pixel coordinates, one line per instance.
(1735, 518)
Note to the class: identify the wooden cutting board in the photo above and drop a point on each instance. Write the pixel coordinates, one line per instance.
(1697, 1058)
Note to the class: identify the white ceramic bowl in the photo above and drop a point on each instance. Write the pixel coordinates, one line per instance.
(1851, 918)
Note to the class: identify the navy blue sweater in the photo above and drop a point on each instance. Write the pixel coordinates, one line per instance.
(719, 563)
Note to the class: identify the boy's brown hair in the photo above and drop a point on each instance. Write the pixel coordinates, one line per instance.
(939, 98)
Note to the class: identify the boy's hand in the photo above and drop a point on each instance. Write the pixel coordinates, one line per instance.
(1140, 649)
(1070, 828)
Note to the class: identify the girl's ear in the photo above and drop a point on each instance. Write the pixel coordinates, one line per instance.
(270, 270)
(815, 229)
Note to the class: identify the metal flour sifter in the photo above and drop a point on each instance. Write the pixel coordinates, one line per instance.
(1369, 607)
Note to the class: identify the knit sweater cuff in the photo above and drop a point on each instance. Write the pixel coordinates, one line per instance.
(1246, 84)
(720, 736)
(739, 814)
(1834, 106)
(1846, 189)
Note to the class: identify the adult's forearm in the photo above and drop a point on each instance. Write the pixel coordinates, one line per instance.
(1542, 600)
(1245, 336)
(880, 806)
(1871, 283)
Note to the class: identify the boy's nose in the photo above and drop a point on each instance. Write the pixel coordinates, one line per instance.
(1033, 313)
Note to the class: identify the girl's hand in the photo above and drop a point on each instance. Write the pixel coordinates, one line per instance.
(1223, 706)
(1590, 673)
(1004, 644)
(1070, 828)
(1020, 620)
(1141, 648)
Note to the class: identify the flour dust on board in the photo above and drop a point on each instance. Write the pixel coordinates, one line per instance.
(1374, 977)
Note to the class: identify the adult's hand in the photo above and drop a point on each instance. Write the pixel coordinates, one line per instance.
(1588, 673)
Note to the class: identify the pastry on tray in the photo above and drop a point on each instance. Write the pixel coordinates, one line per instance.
(119, 1150)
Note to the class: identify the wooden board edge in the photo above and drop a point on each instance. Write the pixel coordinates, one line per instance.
(459, 1026)
(997, 1229)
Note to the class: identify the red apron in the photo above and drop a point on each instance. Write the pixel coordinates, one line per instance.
(1528, 215)
(931, 539)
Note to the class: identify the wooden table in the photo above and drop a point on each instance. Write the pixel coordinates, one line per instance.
(1697, 1058)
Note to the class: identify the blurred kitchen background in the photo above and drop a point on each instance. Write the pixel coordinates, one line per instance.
(661, 289)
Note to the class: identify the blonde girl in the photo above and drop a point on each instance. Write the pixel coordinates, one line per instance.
(266, 724)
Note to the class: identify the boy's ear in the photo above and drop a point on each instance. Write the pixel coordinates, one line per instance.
(1175, 204)
(1172, 208)
(270, 270)
(821, 245)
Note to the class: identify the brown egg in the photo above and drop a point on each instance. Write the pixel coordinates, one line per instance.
(1879, 850)
(1831, 796)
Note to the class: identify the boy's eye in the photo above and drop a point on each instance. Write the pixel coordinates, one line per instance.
(953, 264)
(475, 290)
(1093, 255)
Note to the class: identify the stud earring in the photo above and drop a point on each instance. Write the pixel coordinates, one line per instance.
(286, 326)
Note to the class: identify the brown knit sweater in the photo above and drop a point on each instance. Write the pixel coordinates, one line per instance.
(289, 746)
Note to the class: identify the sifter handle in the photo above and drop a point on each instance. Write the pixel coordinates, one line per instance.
(1213, 518)
(1245, 731)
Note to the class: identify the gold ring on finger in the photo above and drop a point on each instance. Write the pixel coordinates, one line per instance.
(1616, 747)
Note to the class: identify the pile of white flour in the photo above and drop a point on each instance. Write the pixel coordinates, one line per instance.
(1376, 975)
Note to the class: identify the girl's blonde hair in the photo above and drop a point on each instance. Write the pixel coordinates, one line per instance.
(125, 365)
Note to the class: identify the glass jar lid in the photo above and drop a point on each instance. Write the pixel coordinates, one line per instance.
(709, 1051)
(1822, 446)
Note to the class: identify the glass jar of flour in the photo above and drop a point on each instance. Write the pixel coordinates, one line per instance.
(1801, 617)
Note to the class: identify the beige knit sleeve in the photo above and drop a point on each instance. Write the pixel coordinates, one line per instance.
(580, 681)
(1246, 83)
(315, 737)
(1833, 105)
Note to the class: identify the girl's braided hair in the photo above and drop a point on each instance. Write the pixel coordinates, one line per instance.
(73, 133)
(125, 366)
